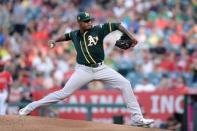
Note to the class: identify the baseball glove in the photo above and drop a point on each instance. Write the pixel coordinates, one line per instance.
(125, 42)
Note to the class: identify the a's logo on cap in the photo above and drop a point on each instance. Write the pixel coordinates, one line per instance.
(78, 18)
(87, 14)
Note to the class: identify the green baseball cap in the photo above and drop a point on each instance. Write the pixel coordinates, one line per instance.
(84, 16)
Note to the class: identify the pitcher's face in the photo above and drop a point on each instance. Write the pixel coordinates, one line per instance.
(85, 25)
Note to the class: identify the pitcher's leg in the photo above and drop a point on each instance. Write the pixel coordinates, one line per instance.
(115, 80)
(78, 79)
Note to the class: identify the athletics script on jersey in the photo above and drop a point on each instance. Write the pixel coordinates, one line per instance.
(92, 40)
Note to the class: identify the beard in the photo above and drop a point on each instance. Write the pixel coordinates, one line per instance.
(89, 27)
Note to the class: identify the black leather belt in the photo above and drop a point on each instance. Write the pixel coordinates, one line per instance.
(94, 65)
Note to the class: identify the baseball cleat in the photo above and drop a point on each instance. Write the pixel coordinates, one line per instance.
(24, 111)
(140, 121)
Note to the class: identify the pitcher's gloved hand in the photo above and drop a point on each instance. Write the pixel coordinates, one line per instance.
(125, 42)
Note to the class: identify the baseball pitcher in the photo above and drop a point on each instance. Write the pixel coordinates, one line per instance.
(88, 42)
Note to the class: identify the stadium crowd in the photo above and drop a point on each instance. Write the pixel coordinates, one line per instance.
(165, 58)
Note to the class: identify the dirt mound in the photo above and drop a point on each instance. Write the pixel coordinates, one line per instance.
(30, 123)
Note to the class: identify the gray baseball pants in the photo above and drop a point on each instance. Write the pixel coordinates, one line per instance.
(83, 75)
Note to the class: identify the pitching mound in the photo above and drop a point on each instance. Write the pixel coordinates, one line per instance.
(30, 123)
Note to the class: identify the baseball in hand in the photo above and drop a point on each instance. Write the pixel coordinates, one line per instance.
(51, 43)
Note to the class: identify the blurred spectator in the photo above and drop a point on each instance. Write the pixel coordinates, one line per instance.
(179, 84)
(159, 49)
(165, 82)
(147, 65)
(2, 37)
(146, 86)
(168, 62)
(26, 97)
(4, 17)
(5, 82)
(123, 62)
(43, 64)
(194, 70)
